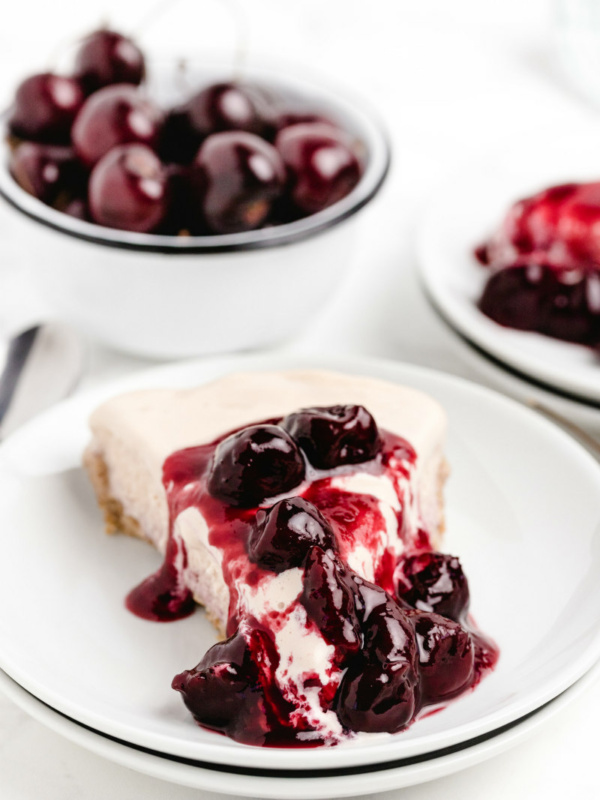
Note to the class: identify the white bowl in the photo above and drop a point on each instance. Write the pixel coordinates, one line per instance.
(172, 296)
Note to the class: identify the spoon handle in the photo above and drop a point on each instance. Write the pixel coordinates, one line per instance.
(18, 350)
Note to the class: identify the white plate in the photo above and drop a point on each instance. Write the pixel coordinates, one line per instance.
(296, 787)
(500, 377)
(463, 214)
(523, 513)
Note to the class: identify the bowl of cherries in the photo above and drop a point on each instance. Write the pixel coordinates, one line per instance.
(174, 212)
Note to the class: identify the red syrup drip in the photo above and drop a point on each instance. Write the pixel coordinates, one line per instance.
(233, 689)
(545, 265)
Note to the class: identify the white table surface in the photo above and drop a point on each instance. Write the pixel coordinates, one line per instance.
(452, 80)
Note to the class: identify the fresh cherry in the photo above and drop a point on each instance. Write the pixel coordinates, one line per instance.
(334, 436)
(178, 140)
(436, 582)
(44, 108)
(328, 597)
(128, 189)
(106, 57)
(284, 534)
(47, 171)
(241, 176)
(258, 462)
(446, 656)
(222, 692)
(223, 107)
(118, 114)
(321, 164)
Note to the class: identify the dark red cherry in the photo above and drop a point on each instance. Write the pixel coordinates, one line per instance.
(106, 57)
(328, 597)
(223, 692)
(388, 634)
(44, 108)
(256, 463)
(284, 534)
(118, 114)
(128, 189)
(446, 656)
(434, 582)
(178, 141)
(321, 164)
(334, 436)
(376, 697)
(540, 298)
(223, 107)
(47, 171)
(241, 176)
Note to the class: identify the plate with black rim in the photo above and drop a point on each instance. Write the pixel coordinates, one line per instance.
(294, 784)
(464, 212)
(523, 514)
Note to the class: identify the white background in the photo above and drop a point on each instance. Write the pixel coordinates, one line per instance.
(452, 80)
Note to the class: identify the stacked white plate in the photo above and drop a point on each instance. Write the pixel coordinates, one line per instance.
(465, 211)
(523, 514)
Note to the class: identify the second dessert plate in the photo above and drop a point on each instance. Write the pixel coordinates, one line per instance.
(523, 514)
(464, 212)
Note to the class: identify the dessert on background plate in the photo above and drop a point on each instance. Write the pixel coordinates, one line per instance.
(302, 509)
(544, 263)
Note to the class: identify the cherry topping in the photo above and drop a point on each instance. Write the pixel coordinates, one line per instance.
(45, 107)
(258, 462)
(285, 533)
(107, 57)
(223, 107)
(328, 597)
(114, 115)
(434, 581)
(241, 177)
(223, 692)
(321, 163)
(47, 171)
(128, 189)
(334, 436)
(446, 656)
(539, 298)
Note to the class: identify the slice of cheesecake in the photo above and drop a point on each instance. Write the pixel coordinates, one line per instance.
(297, 507)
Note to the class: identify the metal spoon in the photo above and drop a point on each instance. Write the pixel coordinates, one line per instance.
(38, 367)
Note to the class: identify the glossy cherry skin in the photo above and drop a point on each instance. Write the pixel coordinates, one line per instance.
(128, 189)
(223, 107)
(44, 108)
(321, 164)
(539, 298)
(446, 656)
(114, 115)
(335, 435)
(376, 698)
(329, 600)
(258, 462)
(222, 692)
(106, 57)
(284, 534)
(241, 176)
(47, 171)
(434, 581)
